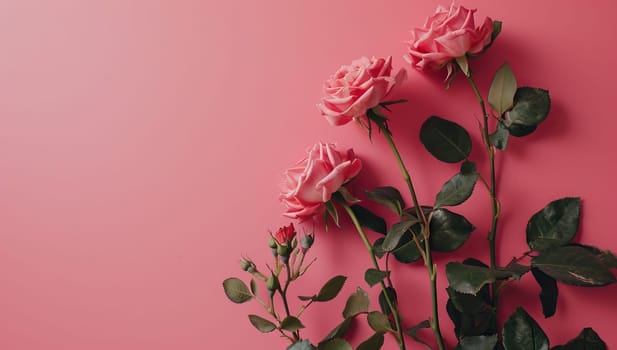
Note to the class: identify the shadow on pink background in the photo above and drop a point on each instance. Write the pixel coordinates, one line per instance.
(142, 142)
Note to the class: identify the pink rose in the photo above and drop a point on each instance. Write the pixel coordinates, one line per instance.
(285, 234)
(312, 181)
(447, 35)
(354, 89)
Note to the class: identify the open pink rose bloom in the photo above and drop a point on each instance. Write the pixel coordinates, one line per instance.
(312, 181)
(354, 89)
(447, 34)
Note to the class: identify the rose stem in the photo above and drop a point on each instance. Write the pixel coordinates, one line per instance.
(431, 268)
(493, 185)
(296, 334)
(369, 247)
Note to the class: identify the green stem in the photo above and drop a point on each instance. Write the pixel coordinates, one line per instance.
(369, 247)
(296, 334)
(492, 186)
(432, 272)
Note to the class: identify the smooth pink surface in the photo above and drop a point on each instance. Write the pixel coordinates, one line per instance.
(142, 142)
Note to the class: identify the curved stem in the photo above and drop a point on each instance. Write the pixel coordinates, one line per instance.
(493, 184)
(428, 256)
(369, 247)
(296, 334)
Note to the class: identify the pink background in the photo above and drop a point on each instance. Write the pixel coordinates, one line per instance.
(142, 141)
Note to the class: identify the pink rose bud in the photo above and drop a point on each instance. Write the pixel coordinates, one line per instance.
(312, 181)
(446, 35)
(354, 89)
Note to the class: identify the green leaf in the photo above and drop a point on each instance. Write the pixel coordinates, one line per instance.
(574, 265)
(374, 276)
(469, 279)
(378, 249)
(383, 304)
(531, 107)
(335, 344)
(555, 225)
(456, 190)
(588, 339)
(291, 324)
(496, 30)
(479, 342)
(502, 90)
(448, 230)
(302, 345)
(331, 289)
(369, 220)
(357, 303)
(467, 303)
(347, 196)
(407, 250)
(388, 196)
(395, 233)
(499, 138)
(413, 331)
(606, 257)
(375, 342)
(549, 292)
(445, 140)
(262, 324)
(521, 332)
(236, 290)
(379, 322)
(520, 130)
(468, 167)
(339, 331)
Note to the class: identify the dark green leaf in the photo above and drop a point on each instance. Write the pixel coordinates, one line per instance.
(377, 248)
(531, 106)
(499, 138)
(357, 303)
(379, 322)
(369, 220)
(467, 303)
(483, 322)
(456, 190)
(479, 342)
(291, 324)
(302, 345)
(395, 233)
(468, 167)
(331, 289)
(236, 290)
(586, 340)
(502, 90)
(555, 225)
(521, 332)
(383, 304)
(347, 196)
(388, 196)
(262, 324)
(445, 140)
(606, 257)
(448, 230)
(335, 344)
(374, 276)
(549, 292)
(407, 250)
(517, 269)
(519, 130)
(375, 342)
(413, 331)
(469, 279)
(574, 265)
(339, 331)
